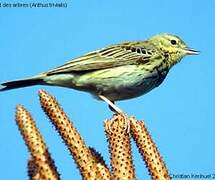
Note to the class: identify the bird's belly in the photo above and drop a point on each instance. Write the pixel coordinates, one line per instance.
(118, 83)
(129, 90)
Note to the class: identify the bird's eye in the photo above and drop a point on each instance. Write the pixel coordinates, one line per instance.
(173, 42)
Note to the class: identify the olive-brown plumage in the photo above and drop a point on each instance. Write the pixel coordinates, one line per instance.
(117, 72)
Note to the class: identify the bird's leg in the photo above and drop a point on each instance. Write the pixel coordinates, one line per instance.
(117, 110)
(111, 104)
(113, 110)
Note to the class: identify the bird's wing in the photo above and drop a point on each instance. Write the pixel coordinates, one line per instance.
(112, 56)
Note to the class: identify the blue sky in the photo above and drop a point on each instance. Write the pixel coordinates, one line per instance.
(179, 114)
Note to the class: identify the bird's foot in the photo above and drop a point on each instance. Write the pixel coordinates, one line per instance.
(111, 126)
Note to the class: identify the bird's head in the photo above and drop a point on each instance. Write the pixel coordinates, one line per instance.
(173, 47)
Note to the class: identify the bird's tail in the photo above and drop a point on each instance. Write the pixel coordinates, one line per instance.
(21, 83)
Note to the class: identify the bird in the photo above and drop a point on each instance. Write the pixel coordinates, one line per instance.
(117, 72)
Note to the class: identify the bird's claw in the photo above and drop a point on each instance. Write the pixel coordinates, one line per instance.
(126, 123)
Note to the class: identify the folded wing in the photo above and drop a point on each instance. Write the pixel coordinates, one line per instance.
(112, 56)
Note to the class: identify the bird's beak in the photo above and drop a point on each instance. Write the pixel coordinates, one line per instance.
(191, 51)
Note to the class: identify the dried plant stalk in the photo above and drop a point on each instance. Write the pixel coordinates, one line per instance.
(33, 171)
(149, 151)
(89, 161)
(81, 153)
(120, 148)
(34, 141)
(101, 169)
(102, 172)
